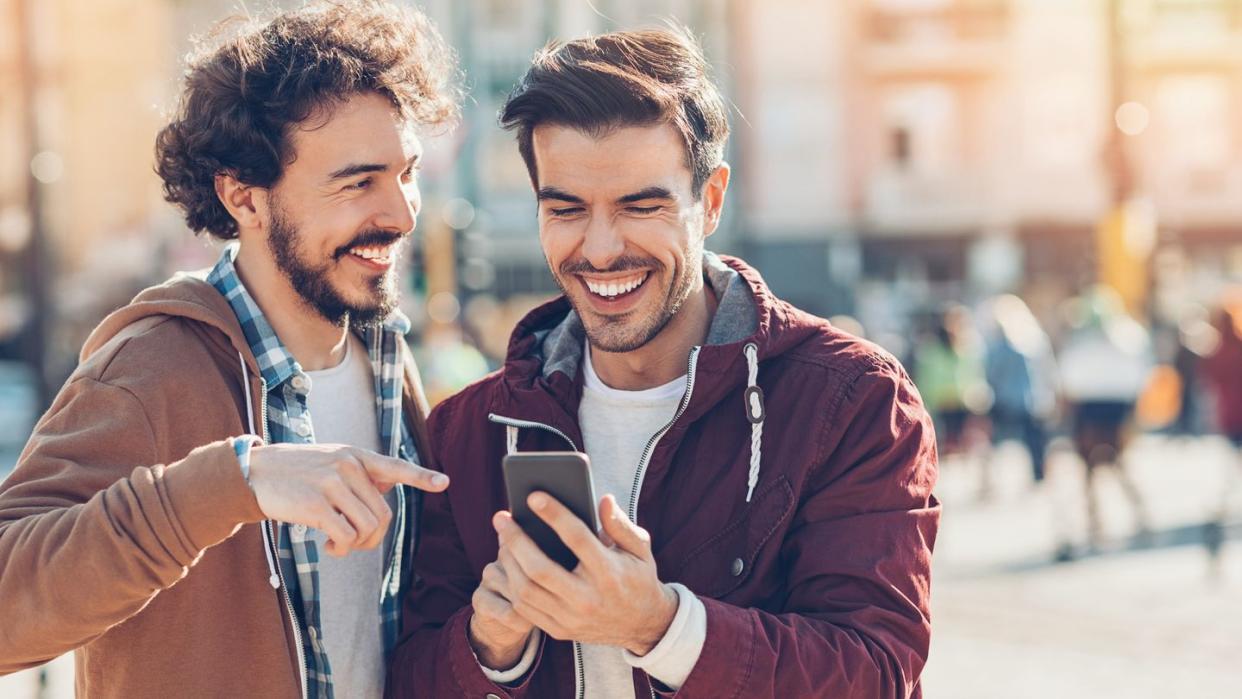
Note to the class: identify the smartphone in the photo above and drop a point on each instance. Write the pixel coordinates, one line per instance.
(566, 476)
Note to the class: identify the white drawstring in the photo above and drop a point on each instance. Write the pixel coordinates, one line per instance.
(511, 437)
(754, 414)
(273, 579)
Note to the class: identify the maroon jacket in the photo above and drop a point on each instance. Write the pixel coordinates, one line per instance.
(817, 587)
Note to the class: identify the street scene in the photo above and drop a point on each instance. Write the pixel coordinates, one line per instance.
(1035, 206)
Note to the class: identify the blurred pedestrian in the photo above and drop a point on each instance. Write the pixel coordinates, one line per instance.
(949, 373)
(1187, 362)
(1222, 371)
(1021, 372)
(1105, 365)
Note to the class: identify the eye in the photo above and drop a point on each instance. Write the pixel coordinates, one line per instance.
(360, 184)
(643, 210)
(411, 172)
(566, 211)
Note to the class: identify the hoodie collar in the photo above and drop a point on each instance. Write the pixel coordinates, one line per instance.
(276, 363)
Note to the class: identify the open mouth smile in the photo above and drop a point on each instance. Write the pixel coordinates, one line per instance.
(378, 257)
(615, 288)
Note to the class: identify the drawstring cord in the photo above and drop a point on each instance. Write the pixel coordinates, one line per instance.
(511, 437)
(273, 579)
(754, 414)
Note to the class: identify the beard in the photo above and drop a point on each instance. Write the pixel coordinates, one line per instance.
(312, 281)
(632, 330)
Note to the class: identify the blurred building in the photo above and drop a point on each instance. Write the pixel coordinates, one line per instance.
(892, 150)
(83, 84)
(887, 154)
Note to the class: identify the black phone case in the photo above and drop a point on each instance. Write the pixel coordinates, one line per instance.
(566, 476)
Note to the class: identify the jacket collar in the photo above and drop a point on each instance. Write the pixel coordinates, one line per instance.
(545, 350)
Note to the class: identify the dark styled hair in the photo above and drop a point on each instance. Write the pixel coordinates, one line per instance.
(243, 97)
(633, 78)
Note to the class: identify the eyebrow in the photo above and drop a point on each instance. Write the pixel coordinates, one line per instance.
(553, 193)
(648, 193)
(364, 168)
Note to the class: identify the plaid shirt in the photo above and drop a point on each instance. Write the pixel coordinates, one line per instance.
(288, 421)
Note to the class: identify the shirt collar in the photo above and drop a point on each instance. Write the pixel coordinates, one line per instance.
(276, 364)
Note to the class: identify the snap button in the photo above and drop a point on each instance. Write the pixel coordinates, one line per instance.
(301, 383)
(312, 632)
(737, 567)
(302, 429)
(299, 529)
(491, 696)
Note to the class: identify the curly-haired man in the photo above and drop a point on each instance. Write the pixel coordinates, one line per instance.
(169, 515)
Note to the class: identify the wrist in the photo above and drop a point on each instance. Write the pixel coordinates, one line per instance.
(492, 653)
(651, 634)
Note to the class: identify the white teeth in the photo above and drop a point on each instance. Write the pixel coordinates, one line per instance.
(616, 288)
(377, 253)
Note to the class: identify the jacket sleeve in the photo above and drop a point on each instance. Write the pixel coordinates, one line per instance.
(91, 531)
(856, 620)
(434, 657)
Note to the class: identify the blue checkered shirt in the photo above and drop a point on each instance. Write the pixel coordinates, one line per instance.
(288, 421)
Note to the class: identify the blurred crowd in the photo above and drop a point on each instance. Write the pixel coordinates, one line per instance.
(1093, 376)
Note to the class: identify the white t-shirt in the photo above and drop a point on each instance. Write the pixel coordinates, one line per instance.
(341, 401)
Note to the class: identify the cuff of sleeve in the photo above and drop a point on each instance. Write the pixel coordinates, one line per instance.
(515, 673)
(674, 657)
(208, 495)
(241, 447)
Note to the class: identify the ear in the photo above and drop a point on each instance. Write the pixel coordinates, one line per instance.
(247, 204)
(713, 198)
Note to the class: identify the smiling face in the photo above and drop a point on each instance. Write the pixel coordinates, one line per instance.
(343, 208)
(621, 227)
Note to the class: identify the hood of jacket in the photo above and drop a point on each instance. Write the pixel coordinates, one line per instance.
(186, 295)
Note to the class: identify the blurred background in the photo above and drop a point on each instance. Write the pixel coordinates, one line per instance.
(1035, 204)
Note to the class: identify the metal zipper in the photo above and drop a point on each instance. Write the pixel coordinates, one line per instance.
(650, 449)
(514, 422)
(655, 438)
(272, 541)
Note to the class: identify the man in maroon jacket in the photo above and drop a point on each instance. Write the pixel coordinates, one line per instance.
(767, 515)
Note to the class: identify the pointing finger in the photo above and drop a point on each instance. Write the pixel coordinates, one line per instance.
(387, 470)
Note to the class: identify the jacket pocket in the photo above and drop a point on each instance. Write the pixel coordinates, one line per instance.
(726, 560)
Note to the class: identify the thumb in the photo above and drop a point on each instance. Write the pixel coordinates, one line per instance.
(625, 534)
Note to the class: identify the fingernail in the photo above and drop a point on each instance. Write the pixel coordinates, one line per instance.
(539, 501)
(439, 480)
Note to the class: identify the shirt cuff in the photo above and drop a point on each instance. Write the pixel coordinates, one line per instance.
(678, 652)
(515, 673)
(241, 447)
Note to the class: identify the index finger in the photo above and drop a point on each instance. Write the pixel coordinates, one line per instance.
(569, 527)
(387, 470)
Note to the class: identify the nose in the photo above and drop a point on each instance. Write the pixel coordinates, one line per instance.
(602, 244)
(401, 209)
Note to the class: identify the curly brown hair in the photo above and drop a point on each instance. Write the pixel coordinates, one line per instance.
(242, 97)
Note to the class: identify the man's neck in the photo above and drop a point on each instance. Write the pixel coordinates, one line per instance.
(314, 341)
(663, 358)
